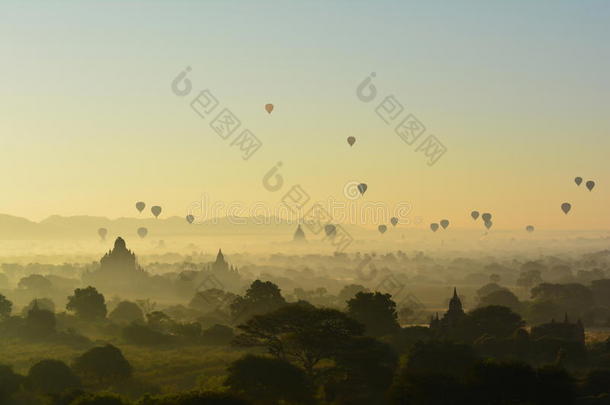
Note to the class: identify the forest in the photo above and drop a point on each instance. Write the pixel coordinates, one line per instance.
(390, 328)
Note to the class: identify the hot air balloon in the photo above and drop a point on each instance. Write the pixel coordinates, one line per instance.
(578, 180)
(330, 230)
(382, 229)
(102, 232)
(529, 228)
(269, 108)
(140, 205)
(486, 217)
(434, 227)
(488, 224)
(394, 221)
(566, 207)
(156, 211)
(190, 219)
(444, 223)
(351, 140)
(362, 188)
(474, 215)
(142, 232)
(590, 184)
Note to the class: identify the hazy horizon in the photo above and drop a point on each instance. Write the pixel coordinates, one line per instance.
(516, 97)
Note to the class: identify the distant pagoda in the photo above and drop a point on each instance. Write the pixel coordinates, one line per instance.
(221, 266)
(454, 315)
(119, 260)
(299, 235)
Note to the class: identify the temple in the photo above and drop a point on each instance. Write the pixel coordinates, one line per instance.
(565, 330)
(119, 270)
(299, 235)
(221, 265)
(119, 260)
(453, 317)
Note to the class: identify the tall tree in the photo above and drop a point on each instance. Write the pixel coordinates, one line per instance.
(300, 333)
(51, 377)
(261, 297)
(87, 303)
(102, 365)
(376, 311)
(269, 381)
(5, 307)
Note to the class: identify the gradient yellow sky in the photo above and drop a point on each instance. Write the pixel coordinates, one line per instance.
(517, 92)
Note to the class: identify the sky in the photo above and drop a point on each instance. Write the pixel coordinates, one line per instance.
(517, 92)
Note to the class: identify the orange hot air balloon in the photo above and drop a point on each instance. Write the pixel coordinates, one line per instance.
(269, 108)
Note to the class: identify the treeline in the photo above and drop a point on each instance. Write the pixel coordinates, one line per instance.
(303, 354)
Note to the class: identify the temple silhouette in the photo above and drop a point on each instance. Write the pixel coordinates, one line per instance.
(299, 235)
(221, 266)
(453, 317)
(119, 270)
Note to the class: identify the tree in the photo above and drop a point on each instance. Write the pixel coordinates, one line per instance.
(503, 383)
(218, 335)
(496, 321)
(597, 382)
(488, 289)
(528, 279)
(573, 298)
(103, 364)
(51, 377)
(601, 291)
(364, 371)
(376, 311)
(300, 333)
(267, 380)
(502, 297)
(42, 303)
(260, 298)
(87, 303)
(349, 291)
(36, 283)
(436, 357)
(194, 398)
(160, 321)
(5, 307)
(554, 386)
(40, 322)
(9, 383)
(127, 312)
(137, 334)
(211, 299)
(99, 399)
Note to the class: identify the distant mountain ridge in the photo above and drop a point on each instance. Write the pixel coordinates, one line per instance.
(83, 226)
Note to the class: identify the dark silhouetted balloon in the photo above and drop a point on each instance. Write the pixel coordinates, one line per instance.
(382, 229)
(590, 184)
(156, 211)
(566, 207)
(474, 215)
(362, 188)
(142, 232)
(578, 180)
(351, 140)
(488, 224)
(444, 223)
(394, 221)
(140, 205)
(434, 227)
(190, 219)
(529, 228)
(269, 108)
(486, 217)
(330, 230)
(102, 232)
